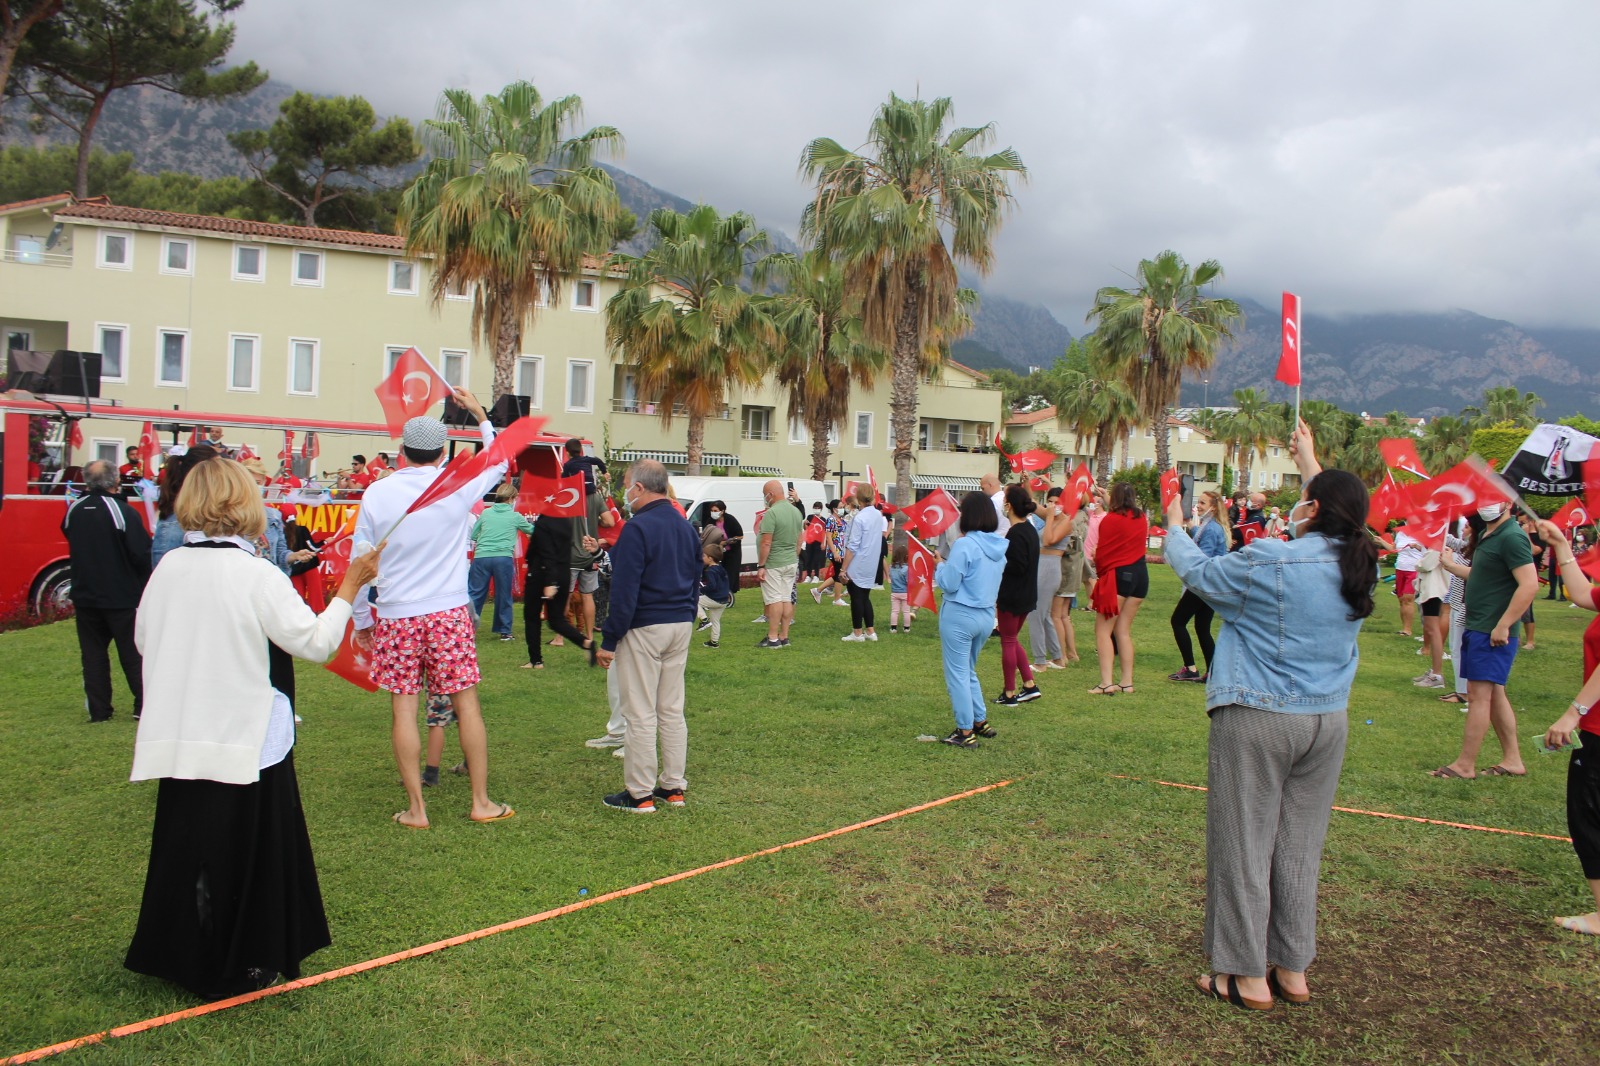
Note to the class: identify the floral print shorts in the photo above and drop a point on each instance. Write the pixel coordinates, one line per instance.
(443, 643)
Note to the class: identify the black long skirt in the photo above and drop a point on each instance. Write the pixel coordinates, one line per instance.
(231, 893)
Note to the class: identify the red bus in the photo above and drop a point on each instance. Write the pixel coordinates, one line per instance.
(39, 472)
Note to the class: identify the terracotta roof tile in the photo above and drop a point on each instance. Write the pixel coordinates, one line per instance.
(37, 201)
(1044, 414)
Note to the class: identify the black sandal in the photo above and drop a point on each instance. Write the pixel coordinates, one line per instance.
(1234, 997)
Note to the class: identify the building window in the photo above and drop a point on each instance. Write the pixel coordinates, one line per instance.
(453, 365)
(19, 340)
(1275, 453)
(27, 249)
(402, 277)
(303, 367)
(580, 384)
(172, 365)
(457, 289)
(116, 250)
(797, 431)
(249, 262)
(922, 436)
(308, 269)
(530, 379)
(177, 256)
(243, 365)
(585, 296)
(863, 429)
(757, 423)
(106, 450)
(952, 435)
(391, 356)
(113, 342)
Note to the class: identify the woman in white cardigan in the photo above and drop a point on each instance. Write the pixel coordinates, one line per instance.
(231, 898)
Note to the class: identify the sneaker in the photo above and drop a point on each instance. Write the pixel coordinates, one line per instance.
(670, 796)
(1430, 681)
(872, 637)
(709, 644)
(960, 740)
(853, 638)
(894, 629)
(607, 741)
(1006, 701)
(816, 594)
(784, 643)
(1446, 656)
(505, 638)
(1041, 666)
(984, 729)
(841, 603)
(766, 643)
(624, 801)
(705, 623)
(1420, 678)
(1185, 674)
(430, 776)
(759, 621)
(619, 754)
(1029, 693)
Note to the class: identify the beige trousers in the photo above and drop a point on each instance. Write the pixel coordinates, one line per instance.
(649, 667)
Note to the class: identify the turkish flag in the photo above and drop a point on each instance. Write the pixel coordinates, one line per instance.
(1079, 485)
(1438, 502)
(555, 497)
(464, 468)
(609, 534)
(1039, 484)
(1573, 515)
(933, 514)
(149, 449)
(1289, 358)
(920, 564)
(76, 434)
(1389, 501)
(376, 464)
(1589, 563)
(411, 389)
(246, 452)
(456, 475)
(352, 663)
(1025, 461)
(195, 436)
(1400, 453)
(287, 455)
(309, 448)
(1171, 488)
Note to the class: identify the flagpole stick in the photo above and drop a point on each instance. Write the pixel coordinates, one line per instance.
(1482, 467)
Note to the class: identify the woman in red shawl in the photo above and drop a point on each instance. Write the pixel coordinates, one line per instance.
(1121, 585)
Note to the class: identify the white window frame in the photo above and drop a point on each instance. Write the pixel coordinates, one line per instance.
(322, 269)
(416, 270)
(316, 366)
(100, 249)
(577, 287)
(588, 405)
(255, 362)
(536, 399)
(167, 267)
(27, 248)
(466, 365)
(952, 445)
(121, 446)
(888, 441)
(162, 333)
(392, 354)
(797, 430)
(464, 294)
(859, 442)
(261, 261)
(99, 339)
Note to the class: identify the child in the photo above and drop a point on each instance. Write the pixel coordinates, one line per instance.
(714, 596)
(898, 574)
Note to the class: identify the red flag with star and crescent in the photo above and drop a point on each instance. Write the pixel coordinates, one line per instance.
(555, 497)
(1438, 502)
(1573, 515)
(1400, 453)
(411, 389)
(1022, 462)
(1079, 485)
(464, 468)
(1289, 356)
(933, 514)
(351, 663)
(1171, 488)
(920, 564)
(149, 450)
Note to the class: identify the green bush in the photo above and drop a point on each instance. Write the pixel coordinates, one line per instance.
(1498, 444)
(1146, 482)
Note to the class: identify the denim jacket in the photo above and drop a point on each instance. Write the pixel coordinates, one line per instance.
(1287, 643)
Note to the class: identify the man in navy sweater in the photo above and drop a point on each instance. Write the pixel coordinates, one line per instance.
(110, 551)
(655, 585)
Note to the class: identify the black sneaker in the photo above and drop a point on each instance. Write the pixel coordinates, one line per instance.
(710, 644)
(894, 629)
(784, 643)
(1029, 693)
(984, 729)
(671, 796)
(765, 643)
(624, 801)
(1185, 674)
(1007, 701)
(704, 624)
(960, 740)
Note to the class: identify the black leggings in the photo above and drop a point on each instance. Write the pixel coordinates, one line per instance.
(1192, 606)
(555, 609)
(860, 606)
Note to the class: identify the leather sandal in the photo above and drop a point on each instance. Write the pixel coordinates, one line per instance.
(1233, 996)
(1299, 999)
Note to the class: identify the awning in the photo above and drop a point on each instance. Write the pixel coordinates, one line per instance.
(940, 481)
(769, 471)
(677, 458)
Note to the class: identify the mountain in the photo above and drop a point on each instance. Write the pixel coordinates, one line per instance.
(1420, 364)
(1010, 334)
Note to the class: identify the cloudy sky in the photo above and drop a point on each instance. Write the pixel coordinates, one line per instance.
(1369, 154)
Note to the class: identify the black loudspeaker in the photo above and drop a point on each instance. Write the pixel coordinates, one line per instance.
(456, 415)
(27, 371)
(74, 374)
(507, 409)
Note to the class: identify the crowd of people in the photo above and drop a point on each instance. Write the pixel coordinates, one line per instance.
(230, 851)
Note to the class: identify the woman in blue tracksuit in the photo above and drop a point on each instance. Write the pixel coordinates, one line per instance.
(970, 581)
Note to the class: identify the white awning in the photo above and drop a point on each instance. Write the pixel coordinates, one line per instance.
(677, 458)
(940, 481)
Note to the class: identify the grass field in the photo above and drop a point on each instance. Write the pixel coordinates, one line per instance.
(1057, 919)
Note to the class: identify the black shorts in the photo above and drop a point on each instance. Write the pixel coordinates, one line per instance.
(1583, 804)
(1133, 581)
(1432, 608)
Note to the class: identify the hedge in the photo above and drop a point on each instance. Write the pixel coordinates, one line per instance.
(1497, 445)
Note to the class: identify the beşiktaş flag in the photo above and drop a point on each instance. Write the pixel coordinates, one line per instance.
(1550, 462)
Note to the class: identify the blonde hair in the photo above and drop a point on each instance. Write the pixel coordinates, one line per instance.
(220, 499)
(865, 493)
(1219, 510)
(506, 492)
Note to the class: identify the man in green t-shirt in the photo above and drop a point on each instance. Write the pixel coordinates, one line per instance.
(1500, 586)
(779, 560)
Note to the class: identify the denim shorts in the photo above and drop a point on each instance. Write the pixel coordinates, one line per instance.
(1482, 661)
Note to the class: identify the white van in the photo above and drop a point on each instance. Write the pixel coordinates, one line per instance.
(744, 501)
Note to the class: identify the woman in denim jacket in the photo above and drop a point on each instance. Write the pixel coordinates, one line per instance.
(1279, 685)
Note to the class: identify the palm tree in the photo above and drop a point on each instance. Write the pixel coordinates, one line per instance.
(684, 322)
(1156, 332)
(1253, 425)
(1329, 428)
(510, 204)
(1504, 403)
(821, 349)
(1445, 442)
(1095, 404)
(885, 212)
(1362, 457)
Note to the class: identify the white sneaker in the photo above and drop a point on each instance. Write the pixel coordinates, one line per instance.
(607, 741)
(1430, 680)
(618, 753)
(1446, 656)
(1042, 666)
(854, 638)
(759, 621)
(872, 637)
(816, 594)
(840, 603)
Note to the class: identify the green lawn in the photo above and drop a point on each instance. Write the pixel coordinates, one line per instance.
(1057, 919)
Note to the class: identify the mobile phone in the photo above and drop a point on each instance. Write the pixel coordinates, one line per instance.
(791, 486)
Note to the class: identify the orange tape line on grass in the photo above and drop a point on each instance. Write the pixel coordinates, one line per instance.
(1386, 814)
(440, 945)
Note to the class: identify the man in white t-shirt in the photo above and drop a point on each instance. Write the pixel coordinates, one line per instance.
(1408, 550)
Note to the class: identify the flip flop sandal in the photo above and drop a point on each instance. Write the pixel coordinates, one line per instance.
(1105, 690)
(405, 825)
(505, 812)
(1299, 999)
(1445, 771)
(1233, 996)
(1500, 771)
(1452, 697)
(1576, 924)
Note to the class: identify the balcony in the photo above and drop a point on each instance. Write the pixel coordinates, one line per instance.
(622, 405)
(33, 257)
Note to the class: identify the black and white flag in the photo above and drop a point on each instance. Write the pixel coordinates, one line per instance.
(1550, 462)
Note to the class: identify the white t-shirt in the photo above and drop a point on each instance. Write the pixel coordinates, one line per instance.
(1408, 550)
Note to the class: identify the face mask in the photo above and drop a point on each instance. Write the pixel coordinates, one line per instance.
(715, 515)
(627, 502)
(1491, 512)
(1294, 526)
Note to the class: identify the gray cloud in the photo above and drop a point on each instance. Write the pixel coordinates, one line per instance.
(1369, 155)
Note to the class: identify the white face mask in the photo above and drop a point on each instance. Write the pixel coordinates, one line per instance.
(715, 515)
(1293, 526)
(1491, 512)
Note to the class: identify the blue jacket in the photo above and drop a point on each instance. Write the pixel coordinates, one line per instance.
(655, 572)
(1209, 536)
(1287, 642)
(971, 576)
(899, 577)
(714, 583)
